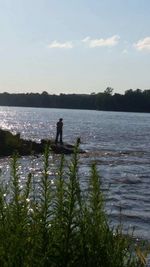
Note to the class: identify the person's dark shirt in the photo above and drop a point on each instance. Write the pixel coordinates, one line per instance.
(59, 126)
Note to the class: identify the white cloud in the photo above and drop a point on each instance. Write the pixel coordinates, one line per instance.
(92, 43)
(66, 45)
(86, 39)
(143, 44)
(108, 42)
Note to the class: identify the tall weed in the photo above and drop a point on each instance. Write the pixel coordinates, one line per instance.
(62, 226)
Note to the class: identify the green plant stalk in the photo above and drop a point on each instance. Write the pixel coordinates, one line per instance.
(62, 227)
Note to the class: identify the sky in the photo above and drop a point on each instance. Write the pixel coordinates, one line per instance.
(74, 46)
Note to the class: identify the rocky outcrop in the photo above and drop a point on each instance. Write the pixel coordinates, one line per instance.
(10, 143)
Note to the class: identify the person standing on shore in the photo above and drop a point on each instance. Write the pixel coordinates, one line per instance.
(59, 131)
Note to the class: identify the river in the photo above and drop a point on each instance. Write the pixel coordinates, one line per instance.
(119, 142)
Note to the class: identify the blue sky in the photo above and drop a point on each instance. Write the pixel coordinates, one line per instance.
(74, 46)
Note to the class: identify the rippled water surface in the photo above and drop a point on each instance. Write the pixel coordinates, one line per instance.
(118, 142)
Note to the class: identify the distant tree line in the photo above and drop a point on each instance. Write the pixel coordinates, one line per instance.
(132, 100)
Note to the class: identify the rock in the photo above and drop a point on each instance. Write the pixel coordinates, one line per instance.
(64, 149)
(9, 144)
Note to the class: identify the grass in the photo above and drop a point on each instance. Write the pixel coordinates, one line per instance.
(63, 226)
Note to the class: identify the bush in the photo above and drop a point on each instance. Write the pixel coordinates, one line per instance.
(61, 226)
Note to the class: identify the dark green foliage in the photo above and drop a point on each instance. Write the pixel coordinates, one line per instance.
(10, 143)
(132, 100)
(61, 226)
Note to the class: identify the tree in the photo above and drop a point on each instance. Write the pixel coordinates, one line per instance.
(44, 93)
(109, 91)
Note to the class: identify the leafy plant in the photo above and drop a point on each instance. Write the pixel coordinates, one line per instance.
(61, 226)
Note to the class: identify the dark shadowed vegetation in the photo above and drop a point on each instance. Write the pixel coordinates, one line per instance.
(132, 100)
(13, 142)
(56, 224)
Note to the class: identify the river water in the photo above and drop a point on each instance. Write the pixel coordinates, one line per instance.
(119, 142)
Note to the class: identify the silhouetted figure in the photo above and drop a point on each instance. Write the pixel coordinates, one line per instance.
(59, 131)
